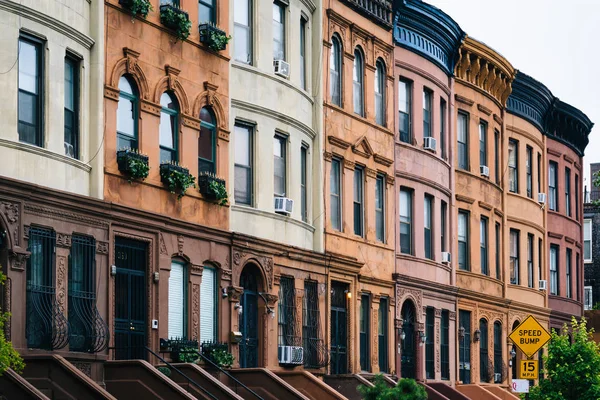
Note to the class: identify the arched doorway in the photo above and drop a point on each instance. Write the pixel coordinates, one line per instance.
(408, 342)
(248, 319)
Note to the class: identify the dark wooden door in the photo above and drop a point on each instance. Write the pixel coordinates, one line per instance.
(339, 328)
(249, 320)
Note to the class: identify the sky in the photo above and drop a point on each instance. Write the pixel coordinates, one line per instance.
(555, 41)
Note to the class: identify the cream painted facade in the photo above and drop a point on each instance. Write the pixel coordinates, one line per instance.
(76, 27)
(270, 104)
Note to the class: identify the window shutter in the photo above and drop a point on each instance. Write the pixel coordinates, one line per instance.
(208, 305)
(177, 304)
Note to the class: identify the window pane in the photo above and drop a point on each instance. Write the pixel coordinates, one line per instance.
(242, 43)
(242, 145)
(28, 67)
(208, 302)
(403, 97)
(279, 164)
(241, 12)
(336, 216)
(278, 32)
(357, 77)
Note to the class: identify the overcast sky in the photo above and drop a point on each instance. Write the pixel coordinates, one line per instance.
(555, 41)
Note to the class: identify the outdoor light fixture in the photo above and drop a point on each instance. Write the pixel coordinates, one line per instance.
(476, 335)
(223, 293)
(513, 353)
(402, 335)
(348, 294)
(238, 307)
(461, 332)
(270, 312)
(422, 336)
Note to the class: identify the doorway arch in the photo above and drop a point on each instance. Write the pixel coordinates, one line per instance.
(251, 282)
(408, 351)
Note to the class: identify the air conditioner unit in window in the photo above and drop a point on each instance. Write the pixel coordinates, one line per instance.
(284, 205)
(484, 170)
(542, 284)
(69, 150)
(290, 355)
(446, 257)
(497, 378)
(542, 198)
(281, 68)
(429, 143)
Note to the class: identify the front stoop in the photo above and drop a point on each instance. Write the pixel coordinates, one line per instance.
(501, 392)
(347, 384)
(476, 392)
(309, 385)
(433, 394)
(213, 385)
(14, 386)
(448, 391)
(266, 384)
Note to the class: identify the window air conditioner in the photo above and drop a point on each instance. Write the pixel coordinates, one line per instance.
(446, 257)
(290, 355)
(69, 150)
(281, 68)
(284, 205)
(542, 284)
(542, 198)
(497, 378)
(484, 170)
(429, 143)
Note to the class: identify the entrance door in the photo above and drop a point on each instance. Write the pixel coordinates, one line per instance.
(408, 343)
(131, 258)
(249, 319)
(339, 329)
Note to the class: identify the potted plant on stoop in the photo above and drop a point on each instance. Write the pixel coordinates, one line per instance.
(137, 7)
(215, 38)
(218, 353)
(176, 19)
(213, 188)
(177, 178)
(133, 164)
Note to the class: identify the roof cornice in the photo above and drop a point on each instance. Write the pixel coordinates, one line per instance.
(427, 31)
(568, 125)
(482, 66)
(530, 100)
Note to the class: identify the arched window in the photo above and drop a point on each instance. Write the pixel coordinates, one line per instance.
(498, 362)
(169, 127)
(484, 373)
(335, 72)
(206, 142)
(127, 118)
(357, 83)
(380, 93)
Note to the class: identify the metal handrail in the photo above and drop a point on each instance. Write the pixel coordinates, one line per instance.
(206, 359)
(190, 380)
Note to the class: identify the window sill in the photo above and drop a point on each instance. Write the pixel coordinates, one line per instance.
(272, 215)
(43, 152)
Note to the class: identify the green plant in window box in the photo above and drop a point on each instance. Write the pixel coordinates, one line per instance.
(218, 353)
(213, 188)
(183, 350)
(177, 178)
(215, 38)
(137, 7)
(176, 20)
(133, 164)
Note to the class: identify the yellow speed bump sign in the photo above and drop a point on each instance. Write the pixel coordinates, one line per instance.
(529, 369)
(530, 336)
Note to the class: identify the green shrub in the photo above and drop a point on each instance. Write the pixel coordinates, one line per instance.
(405, 389)
(177, 20)
(137, 7)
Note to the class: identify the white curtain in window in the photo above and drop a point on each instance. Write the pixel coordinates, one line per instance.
(177, 304)
(208, 301)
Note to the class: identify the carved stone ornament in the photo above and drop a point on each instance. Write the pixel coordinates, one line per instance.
(416, 296)
(19, 260)
(180, 240)
(195, 311)
(61, 284)
(226, 275)
(161, 245)
(264, 263)
(398, 323)
(235, 293)
(452, 316)
(102, 247)
(197, 269)
(63, 240)
(271, 299)
(11, 213)
(85, 367)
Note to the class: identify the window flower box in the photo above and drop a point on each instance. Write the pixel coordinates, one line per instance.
(213, 188)
(137, 7)
(215, 38)
(177, 178)
(176, 19)
(133, 164)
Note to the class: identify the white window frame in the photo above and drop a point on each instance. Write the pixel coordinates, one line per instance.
(587, 228)
(588, 299)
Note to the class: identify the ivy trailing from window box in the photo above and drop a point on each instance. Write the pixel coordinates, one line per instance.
(177, 20)
(177, 178)
(137, 7)
(213, 37)
(213, 188)
(218, 353)
(133, 164)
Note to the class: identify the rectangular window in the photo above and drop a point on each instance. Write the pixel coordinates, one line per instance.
(483, 245)
(514, 257)
(588, 301)
(358, 201)
(429, 342)
(303, 186)
(71, 106)
(577, 269)
(577, 197)
(303, 53)
(427, 96)
(463, 240)
(286, 317)
(443, 225)
(530, 260)
(569, 253)
(177, 301)
(278, 31)
(335, 186)
(404, 109)
(311, 336)
(208, 305)
(554, 269)
(463, 141)
(483, 143)
(31, 90)
(380, 208)
(242, 30)
(406, 221)
(540, 255)
(498, 362)
(513, 166)
(464, 350)
(498, 265)
(428, 226)
(382, 333)
(243, 164)
(82, 292)
(279, 165)
(365, 332)
(587, 240)
(497, 156)
(539, 172)
(568, 191)
(443, 128)
(529, 171)
(445, 344)
(552, 183)
(206, 12)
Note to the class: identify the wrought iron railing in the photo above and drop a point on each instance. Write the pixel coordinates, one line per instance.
(591, 196)
(89, 332)
(47, 328)
(316, 354)
(379, 10)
